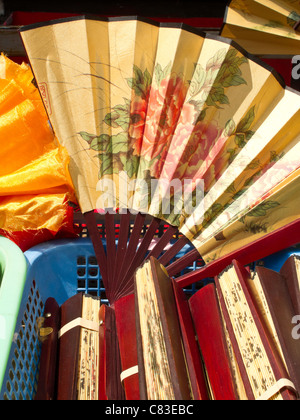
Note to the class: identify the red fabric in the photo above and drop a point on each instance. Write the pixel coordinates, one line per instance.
(29, 238)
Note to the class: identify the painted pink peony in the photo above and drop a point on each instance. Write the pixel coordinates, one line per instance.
(163, 112)
(193, 148)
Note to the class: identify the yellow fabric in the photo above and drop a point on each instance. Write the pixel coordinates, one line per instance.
(35, 184)
(28, 212)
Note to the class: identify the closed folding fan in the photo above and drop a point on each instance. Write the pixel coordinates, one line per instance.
(165, 122)
(264, 27)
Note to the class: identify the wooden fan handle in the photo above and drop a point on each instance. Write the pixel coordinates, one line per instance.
(98, 245)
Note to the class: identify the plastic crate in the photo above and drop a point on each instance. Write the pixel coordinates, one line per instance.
(12, 281)
(58, 269)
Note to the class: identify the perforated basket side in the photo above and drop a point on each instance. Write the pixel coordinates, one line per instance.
(12, 281)
(89, 279)
(21, 377)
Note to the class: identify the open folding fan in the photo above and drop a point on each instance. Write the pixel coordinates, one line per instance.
(264, 26)
(165, 122)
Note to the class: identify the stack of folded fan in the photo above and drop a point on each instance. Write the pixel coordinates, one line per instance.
(235, 339)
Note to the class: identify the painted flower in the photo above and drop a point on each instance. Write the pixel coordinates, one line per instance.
(164, 109)
(179, 150)
(192, 151)
(138, 113)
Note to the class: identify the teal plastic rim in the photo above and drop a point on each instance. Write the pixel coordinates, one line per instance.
(13, 268)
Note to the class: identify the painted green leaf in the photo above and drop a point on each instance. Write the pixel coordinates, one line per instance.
(242, 60)
(261, 209)
(211, 213)
(226, 82)
(231, 54)
(273, 24)
(160, 74)
(99, 144)
(249, 134)
(254, 164)
(202, 114)
(240, 140)
(131, 166)
(255, 228)
(147, 78)
(141, 82)
(198, 80)
(110, 119)
(245, 124)
(293, 18)
(229, 128)
(223, 99)
(106, 166)
(234, 69)
(119, 117)
(231, 190)
(237, 80)
(119, 143)
(275, 157)
(217, 95)
(139, 78)
(86, 136)
(217, 59)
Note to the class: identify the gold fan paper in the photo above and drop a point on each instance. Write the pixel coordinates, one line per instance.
(135, 101)
(264, 27)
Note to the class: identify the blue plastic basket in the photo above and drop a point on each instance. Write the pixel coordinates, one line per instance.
(13, 270)
(58, 269)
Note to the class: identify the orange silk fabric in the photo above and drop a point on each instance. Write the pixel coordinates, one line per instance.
(35, 185)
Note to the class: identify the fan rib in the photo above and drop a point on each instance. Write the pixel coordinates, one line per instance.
(179, 265)
(173, 251)
(163, 242)
(122, 243)
(110, 247)
(98, 245)
(130, 252)
(142, 250)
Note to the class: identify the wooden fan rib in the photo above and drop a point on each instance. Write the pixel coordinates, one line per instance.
(131, 249)
(98, 246)
(122, 243)
(163, 242)
(142, 250)
(179, 265)
(173, 251)
(110, 247)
